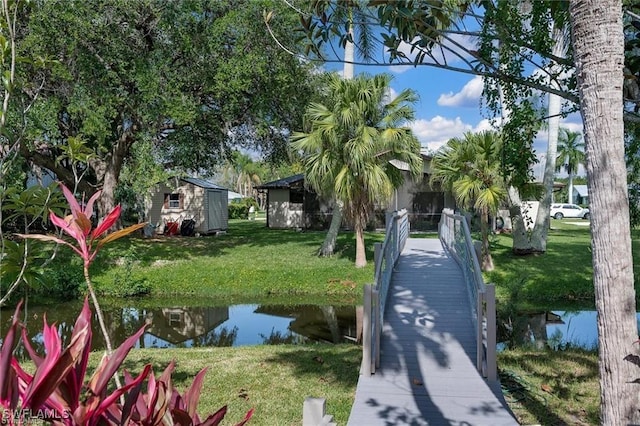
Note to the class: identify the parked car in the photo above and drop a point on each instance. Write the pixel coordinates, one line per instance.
(559, 211)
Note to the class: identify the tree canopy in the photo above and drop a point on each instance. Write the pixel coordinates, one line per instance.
(507, 42)
(194, 78)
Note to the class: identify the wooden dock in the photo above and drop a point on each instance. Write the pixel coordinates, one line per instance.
(427, 373)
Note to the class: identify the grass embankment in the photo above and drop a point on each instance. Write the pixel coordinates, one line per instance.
(248, 263)
(561, 278)
(274, 380)
(548, 387)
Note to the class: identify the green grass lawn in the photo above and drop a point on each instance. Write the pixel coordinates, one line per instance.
(561, 278)
(273, 380)
(548, 387)
(248, 263)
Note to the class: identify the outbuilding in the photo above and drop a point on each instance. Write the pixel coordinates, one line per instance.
(291, 205)
(182, 199)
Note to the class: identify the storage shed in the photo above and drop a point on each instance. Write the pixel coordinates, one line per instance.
(291, 205)
(181, 199)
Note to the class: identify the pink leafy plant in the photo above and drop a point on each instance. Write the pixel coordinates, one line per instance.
(58, 393)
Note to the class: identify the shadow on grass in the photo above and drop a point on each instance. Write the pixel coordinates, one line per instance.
(328, 364)
(563, 274)
(240, 233)
(573, 379)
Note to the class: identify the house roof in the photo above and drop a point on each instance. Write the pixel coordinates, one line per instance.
(582, 190)
(234, 195)
(202, 183)
(283, 183)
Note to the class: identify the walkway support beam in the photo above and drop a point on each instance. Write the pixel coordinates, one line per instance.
(455, 235)
(375, 295)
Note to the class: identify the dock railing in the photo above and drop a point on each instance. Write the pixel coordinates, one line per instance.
(455, 236)
(375, 295)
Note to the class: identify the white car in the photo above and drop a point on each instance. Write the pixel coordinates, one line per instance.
(559, 211)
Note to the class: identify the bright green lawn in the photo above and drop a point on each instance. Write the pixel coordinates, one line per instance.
(560, 278)
(249, 262)
(274, 380)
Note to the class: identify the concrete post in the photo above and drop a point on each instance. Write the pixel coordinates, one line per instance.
(313, 413)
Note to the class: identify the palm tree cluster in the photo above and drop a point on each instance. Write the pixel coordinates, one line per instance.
(470, 168)
(350, 141)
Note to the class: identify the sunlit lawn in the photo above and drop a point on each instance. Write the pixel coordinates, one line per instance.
(548, 387)
(273, 380)
(249, 262)
(560, 278)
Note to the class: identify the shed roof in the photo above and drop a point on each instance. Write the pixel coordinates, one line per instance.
(202, 183)
(283, 183)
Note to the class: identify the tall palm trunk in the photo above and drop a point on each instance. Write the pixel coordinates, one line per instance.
(598, 42)
(487, 260)
(329, 243)
(521, 242)
(570, 191)
(541, 227)
(361, 255)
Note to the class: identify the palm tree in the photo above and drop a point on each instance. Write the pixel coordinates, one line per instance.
(570, 155)
(359, 38)
(471, 169)
(350, 143)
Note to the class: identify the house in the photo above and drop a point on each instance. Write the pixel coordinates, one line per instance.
(234, 196)
(181, 199)
(290, 204)
(423, 200)
(580, 194)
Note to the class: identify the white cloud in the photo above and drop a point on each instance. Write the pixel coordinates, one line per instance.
(435, 132)
(468, 96)
(452, 50)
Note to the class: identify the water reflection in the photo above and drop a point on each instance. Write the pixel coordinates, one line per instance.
(184, 326)
(553, 329)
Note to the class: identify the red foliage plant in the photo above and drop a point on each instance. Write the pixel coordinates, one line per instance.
(57, 392)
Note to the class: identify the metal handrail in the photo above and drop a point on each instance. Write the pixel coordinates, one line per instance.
(386, 255)
(455, 236)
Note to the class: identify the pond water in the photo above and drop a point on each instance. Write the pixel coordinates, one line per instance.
(170, 325)
(555, 329)
(188, 326)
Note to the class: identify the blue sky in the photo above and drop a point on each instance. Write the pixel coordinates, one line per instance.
(450, 103)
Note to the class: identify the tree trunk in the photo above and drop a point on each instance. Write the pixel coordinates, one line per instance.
(361, 255)
(598, 42)
(541, 227)
(487, 260)
(114, 163)
(329, 243)
(521, 244)
(570, 194)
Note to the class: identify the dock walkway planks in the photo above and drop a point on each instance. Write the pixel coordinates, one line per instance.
(427, 373)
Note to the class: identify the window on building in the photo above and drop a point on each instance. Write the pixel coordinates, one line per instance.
(296, 195)
(173, 201)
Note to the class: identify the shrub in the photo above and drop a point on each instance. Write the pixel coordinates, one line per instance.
(240, 209)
